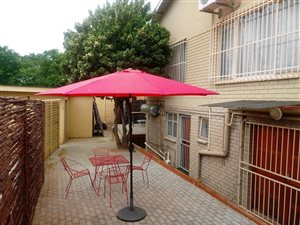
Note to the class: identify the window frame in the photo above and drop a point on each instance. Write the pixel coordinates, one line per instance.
(176, 69)
(234, 69)
(174, 124)
(201, 138)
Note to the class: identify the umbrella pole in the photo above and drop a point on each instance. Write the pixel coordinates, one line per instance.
(131, 213)
(130, 148)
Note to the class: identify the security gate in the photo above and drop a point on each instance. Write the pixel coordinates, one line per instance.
(270, 173)
(185, 127)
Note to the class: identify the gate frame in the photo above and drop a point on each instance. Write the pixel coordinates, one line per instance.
(245, 170)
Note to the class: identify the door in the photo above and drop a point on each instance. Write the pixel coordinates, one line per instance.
(184, 142)
(275, 180)
(270, 173)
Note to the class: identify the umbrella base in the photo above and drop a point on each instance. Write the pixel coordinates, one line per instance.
(129, 214)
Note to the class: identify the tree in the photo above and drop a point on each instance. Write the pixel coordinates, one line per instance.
(9, 65)
(44, 70)
(120, 35)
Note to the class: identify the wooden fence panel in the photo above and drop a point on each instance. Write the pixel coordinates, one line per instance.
(34, 142)
(47, 129)
(55, 126)
(51, 127)
(12, 176)
(21, 159)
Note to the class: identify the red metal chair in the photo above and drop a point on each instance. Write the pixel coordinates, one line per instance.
(144, 166)
(103, 172)
(74, 170)
(99, 170)
(115, 175)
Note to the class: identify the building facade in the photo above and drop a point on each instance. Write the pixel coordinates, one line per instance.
(245, 142)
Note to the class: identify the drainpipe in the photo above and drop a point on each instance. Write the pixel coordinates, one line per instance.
(227, 124)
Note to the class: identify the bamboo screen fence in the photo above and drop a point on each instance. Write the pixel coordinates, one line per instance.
(21, 159)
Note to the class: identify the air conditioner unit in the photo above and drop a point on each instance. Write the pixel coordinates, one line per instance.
(211, 5)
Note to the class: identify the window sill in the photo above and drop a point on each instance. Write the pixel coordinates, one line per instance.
(202, 141)
(257, 78)
(171, 139)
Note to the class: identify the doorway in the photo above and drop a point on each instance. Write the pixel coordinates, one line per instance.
(184, 142)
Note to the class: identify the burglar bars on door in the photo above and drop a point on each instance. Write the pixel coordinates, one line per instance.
(269, 176)
(185, 126)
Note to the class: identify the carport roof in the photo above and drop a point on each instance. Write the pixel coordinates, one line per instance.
(254, 104)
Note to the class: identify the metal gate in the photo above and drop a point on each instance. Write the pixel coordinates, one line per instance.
(270, 173)
(185, 127)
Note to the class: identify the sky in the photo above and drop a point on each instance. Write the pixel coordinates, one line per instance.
(33, 26)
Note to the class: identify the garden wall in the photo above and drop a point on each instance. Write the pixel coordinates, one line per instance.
(21, 159)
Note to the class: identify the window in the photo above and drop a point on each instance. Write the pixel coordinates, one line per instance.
(203, 128)
(261, 43)
(176, 68)
(172, 124)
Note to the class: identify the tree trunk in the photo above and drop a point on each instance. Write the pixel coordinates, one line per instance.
(115, 128)
(120, 112)
(125, 118)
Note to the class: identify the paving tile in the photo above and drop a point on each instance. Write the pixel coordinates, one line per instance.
(169, 200)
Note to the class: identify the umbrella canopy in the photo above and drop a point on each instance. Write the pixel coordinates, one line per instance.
(127, 83)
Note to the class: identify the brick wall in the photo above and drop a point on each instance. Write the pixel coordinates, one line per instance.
(219, 173)
(260, 90)
(198, 60)
(153, 130)
(215, 142)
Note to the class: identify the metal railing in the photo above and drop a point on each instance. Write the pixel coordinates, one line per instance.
(163, 155)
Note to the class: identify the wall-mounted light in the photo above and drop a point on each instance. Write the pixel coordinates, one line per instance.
(153, 110)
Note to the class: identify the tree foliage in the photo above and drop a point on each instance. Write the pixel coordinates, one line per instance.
(123, 34)
(9, 65)
(120, 35)
(44, 70)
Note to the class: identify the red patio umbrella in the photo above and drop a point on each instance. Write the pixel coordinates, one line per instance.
(129, 83)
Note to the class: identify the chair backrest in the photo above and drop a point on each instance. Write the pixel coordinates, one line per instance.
(66, 166)
(116, 174)
(147, 159)
(100, 151)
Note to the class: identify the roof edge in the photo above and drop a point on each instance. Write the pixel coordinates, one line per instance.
(162, 6)
(254, 104)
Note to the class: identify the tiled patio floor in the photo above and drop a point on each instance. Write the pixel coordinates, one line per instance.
(169, 200)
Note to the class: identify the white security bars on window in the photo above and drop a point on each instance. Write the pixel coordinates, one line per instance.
(260, 43)
(176, 68)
